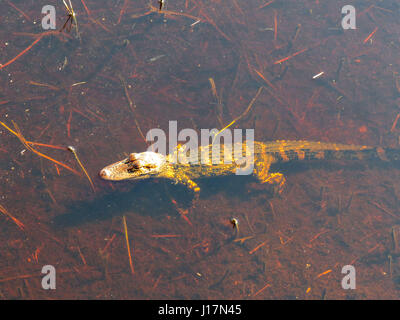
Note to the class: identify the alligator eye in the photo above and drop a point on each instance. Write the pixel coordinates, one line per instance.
(132, 157)
(133, 167)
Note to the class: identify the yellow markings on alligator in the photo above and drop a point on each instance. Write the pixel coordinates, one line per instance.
(277, 179)
(282, 151)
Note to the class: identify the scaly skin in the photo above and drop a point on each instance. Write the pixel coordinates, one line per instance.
(155, 165)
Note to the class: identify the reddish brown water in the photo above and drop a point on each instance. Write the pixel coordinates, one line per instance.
(292, 246)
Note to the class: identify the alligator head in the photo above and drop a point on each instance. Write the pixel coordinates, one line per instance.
(137, 166)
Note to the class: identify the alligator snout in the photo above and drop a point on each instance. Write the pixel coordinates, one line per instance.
(104, 173)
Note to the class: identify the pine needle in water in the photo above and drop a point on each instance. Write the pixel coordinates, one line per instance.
(243, 114)
(127, 244)
(72, 149)
(16, 221)
(26, 143)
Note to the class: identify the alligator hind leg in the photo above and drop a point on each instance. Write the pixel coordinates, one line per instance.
(264, 176)
(277, 179)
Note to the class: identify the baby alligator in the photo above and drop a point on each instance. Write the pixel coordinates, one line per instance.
(155, 165)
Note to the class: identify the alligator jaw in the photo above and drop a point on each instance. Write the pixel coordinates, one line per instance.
(116, 171)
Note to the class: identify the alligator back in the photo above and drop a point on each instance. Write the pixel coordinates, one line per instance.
(185, 164)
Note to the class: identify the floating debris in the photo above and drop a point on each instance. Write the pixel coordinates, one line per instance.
(73, 150)
(71, 19)
(156, 58)
(194, 23)
(318, 75)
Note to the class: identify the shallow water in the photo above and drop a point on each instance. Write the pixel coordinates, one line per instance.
(134, 69)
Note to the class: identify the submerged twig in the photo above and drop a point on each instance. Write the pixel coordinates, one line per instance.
(127, 245)
(71, 18)
(132, 105)
(72, 149)
(16, 221)
(27, 144)
(243, 114)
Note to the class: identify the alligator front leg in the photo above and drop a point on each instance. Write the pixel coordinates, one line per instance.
(189, 183)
